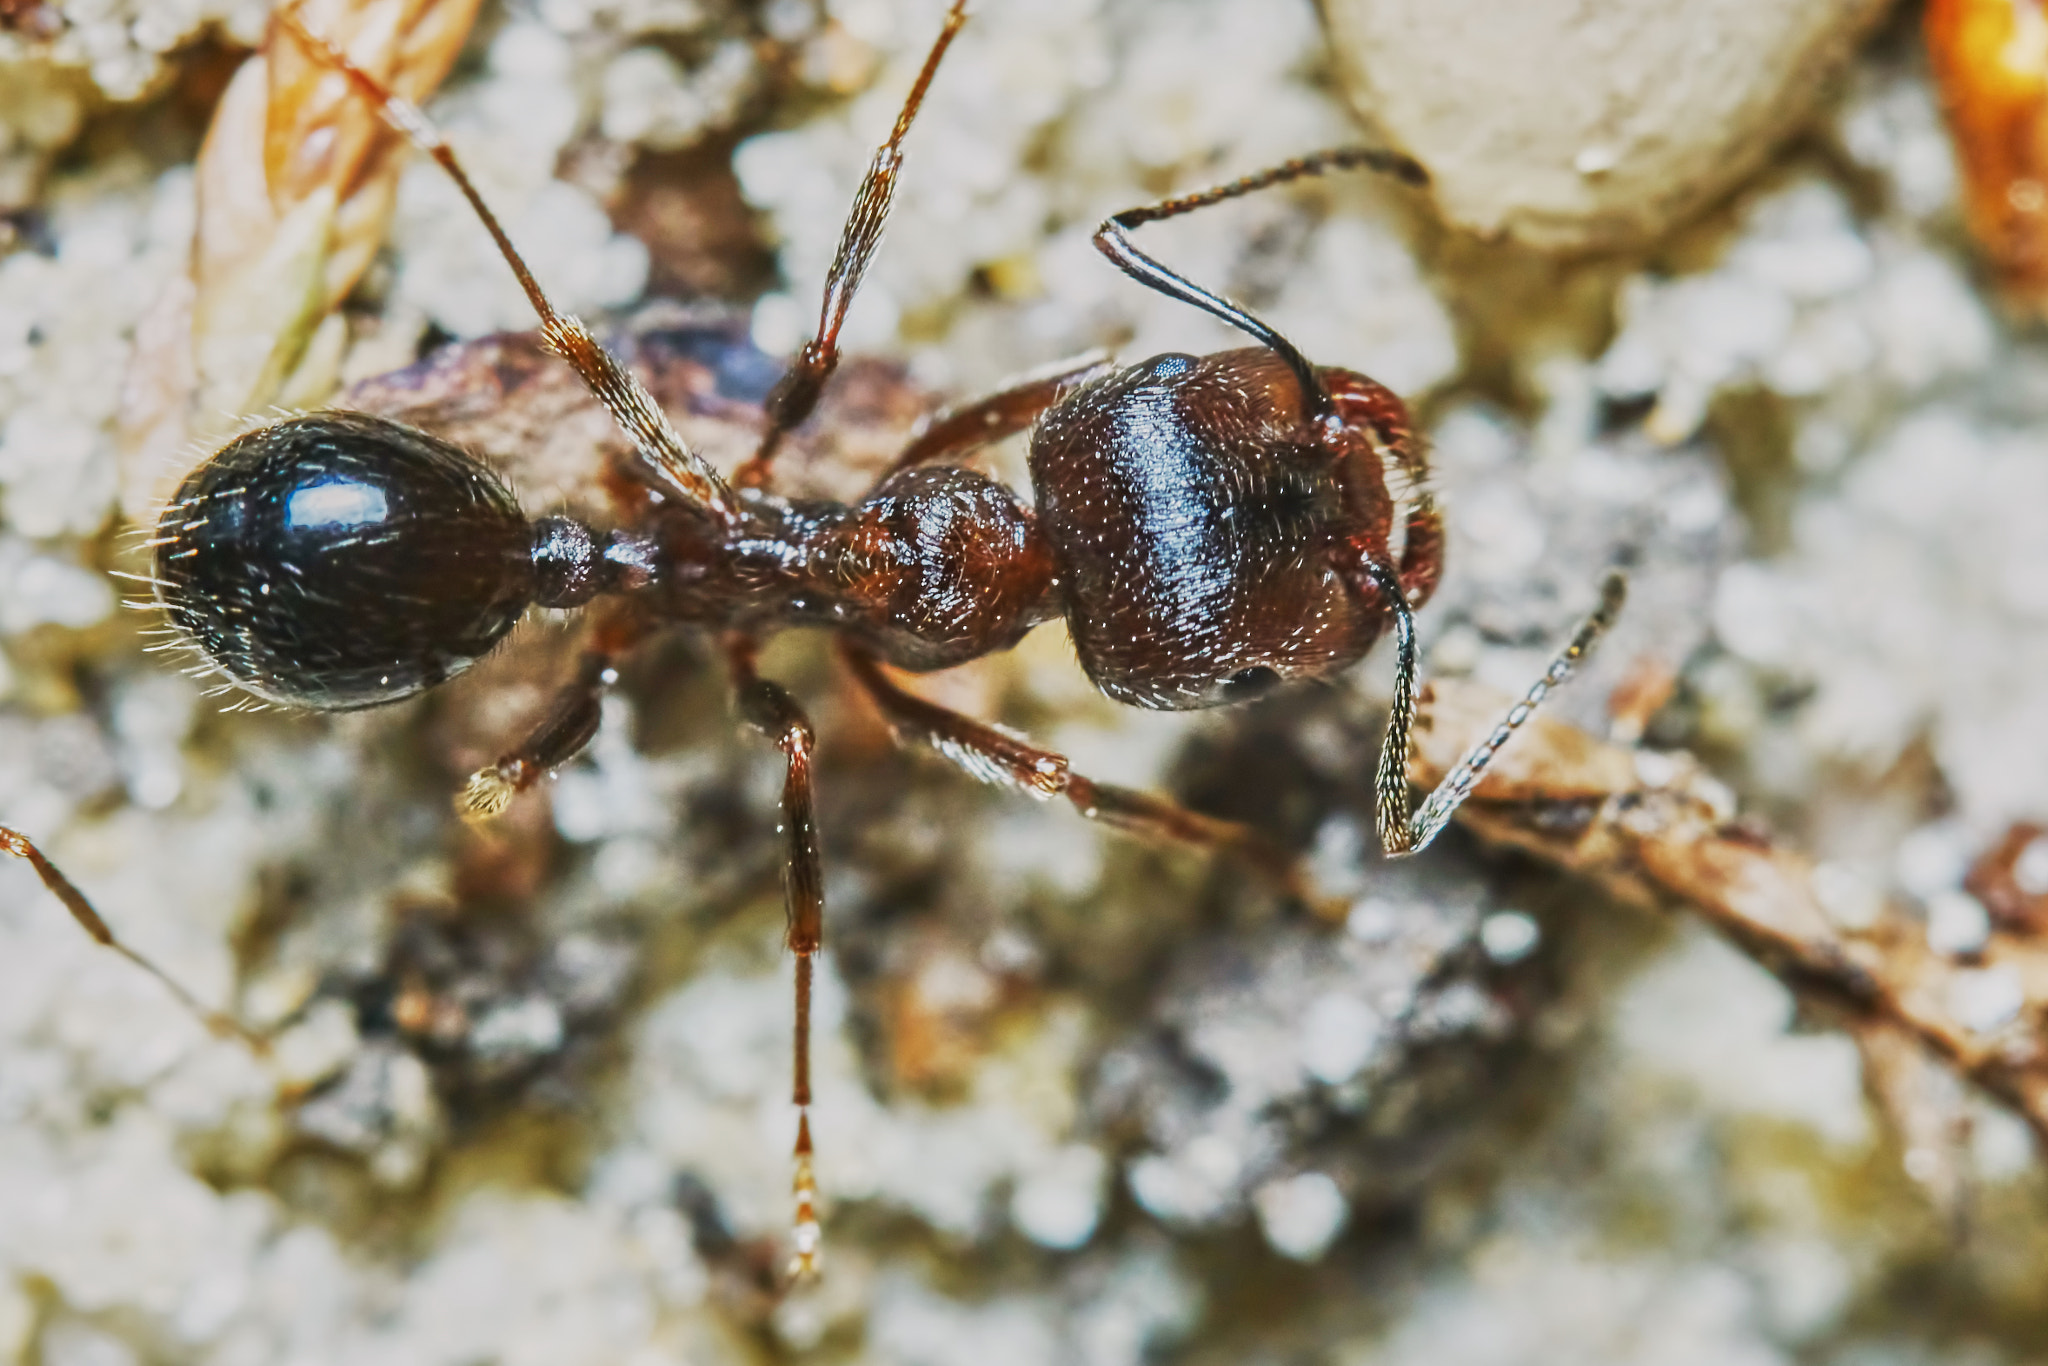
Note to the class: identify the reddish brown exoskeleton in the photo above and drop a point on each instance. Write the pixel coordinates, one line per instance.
(1207, 527)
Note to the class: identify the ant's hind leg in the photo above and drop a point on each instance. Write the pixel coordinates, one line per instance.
(776, 715)
(15, 843)
(797, 392)
(1001, 759)
(569, 725)
(1403, 829)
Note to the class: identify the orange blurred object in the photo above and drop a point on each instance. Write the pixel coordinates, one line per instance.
(1990, 61)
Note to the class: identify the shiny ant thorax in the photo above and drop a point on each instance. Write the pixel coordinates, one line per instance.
(1206, 526)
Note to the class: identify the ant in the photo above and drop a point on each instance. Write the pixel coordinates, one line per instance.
(1208, 527)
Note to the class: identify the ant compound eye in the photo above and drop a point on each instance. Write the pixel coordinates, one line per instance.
(343, 561)
(1246, 684)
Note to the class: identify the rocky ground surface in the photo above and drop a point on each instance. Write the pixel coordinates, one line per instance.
(1079, 1100)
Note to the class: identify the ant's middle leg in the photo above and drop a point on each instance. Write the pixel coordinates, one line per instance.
(1001, 759)
(797, 392)
(570, 722)
(776, 715)
(15, 843)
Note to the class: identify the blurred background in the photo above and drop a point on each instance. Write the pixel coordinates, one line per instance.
(1711, 290)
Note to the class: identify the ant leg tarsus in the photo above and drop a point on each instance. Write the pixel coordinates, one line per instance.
(797, 392)
(220, 1024)
(568, 726)
(1113, 240)
(1404, 828)
(673, 468)
(1002, 759)
(957, 432)
(775, 714)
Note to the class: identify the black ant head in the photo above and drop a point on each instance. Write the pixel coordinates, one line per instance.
(342, 561)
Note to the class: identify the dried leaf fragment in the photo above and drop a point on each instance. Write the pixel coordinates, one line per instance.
(296, 182)
(1655, 828)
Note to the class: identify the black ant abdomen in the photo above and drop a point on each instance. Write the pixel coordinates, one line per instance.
(344, 561)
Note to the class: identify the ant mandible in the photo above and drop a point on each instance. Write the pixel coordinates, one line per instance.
(1208, 527)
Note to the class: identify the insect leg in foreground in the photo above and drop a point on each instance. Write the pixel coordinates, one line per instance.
(797, 392)
(570, 722)
(776, 715)
(668, 465)
(1001, 759)
(15, 843)
(1403, 830)
(960, 431)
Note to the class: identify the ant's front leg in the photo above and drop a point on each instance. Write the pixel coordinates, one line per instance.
(960, 431)
(570, 723)
(1001, 759)
(15, 843)
(797, 392)
(775, 714)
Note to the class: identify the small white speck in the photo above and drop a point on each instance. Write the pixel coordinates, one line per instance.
(2001, 1144)
(1846, 896)
(1656, 770)
(1373, 919)
(1301, 1215)
(1985, 999)
(1339, 1033)
(1957, 923)
(1059, 1205)
(1456, 651)
(1509, 936)
(1930, 860)
(2030, 869)
(1596, 160)
(533, 1025)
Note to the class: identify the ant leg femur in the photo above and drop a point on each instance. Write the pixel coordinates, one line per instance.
(797, 392)
(1001, 759)
(677, 469)
(15, 843)
(776, 715)
(1112, 239)
(960, 431)
(1405, 830)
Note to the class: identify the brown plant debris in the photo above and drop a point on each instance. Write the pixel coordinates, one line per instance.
(296, 182)
(1655, 828)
